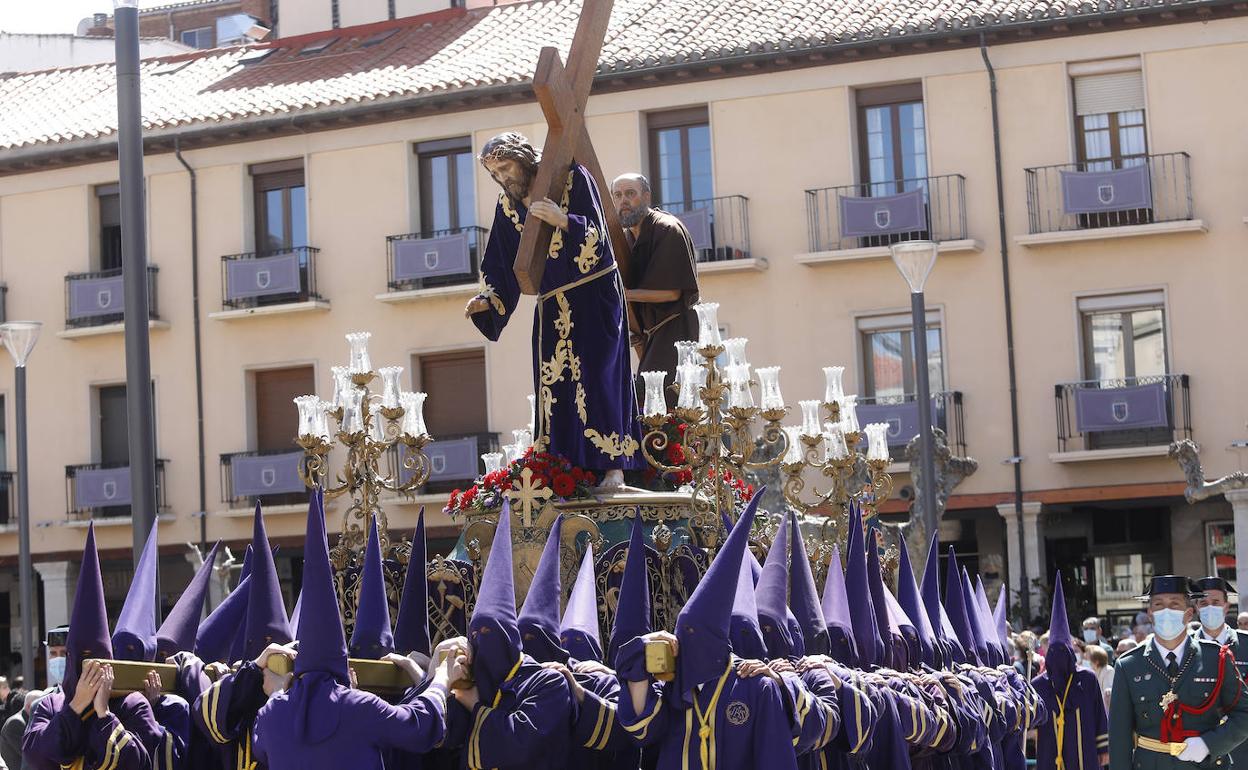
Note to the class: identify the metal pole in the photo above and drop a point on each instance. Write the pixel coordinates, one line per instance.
(927, 452)
(142, 433)
(26, 582)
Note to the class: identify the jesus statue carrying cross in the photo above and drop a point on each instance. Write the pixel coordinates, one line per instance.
(587, 410)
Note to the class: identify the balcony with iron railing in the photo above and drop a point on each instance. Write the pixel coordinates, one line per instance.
(860, 221)
(720, 230)
(95, 303)
(454, 460)
(1110, 199)
(102, 490)
(901, 414)
(433, 263)
(270, 477)
(269, 282)
(1126, 417)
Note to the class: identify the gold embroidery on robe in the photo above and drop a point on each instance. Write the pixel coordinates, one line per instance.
(612, 446)
(509, 209)
(588, 259)
(487, 291)
(580, 403)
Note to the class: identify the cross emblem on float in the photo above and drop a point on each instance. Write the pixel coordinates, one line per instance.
(562, 92)
(527, 495)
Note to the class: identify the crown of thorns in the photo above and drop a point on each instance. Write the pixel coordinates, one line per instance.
(510, 146)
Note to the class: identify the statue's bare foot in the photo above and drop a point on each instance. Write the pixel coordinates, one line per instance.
(613, 481)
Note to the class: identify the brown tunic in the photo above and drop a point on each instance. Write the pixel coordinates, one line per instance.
(663, 258)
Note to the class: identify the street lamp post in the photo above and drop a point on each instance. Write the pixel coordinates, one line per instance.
(134, 270)
(915, 260)
(19, 339)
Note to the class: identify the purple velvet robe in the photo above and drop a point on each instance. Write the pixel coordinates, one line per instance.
(319, 724)
(123, 739)
(582, 373)
(859, 716)
(747, 720)
(598, 740)
(202, 753)
(526, 728)
(817, 716)
(1086, 725)
(226, 711)
(173, 716)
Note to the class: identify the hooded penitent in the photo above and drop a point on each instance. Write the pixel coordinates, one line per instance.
(871, 648)
(134, 636)
(895, 653)
(744, 631)
(578, 631)
(803, 596)
(910, 600)
(971, 607)
(235, 649)
(835, 608)
(910, 653)
(411, 630)
(946, 638)
(538, 620)
(177, 633)
(702, 625)
(771, 597)
(492, 631)
(88, 622)
(1059, 659)
(632, 613)
(987, 629)
(321, 665)
(266, 612)
(218, 630)
(955, 606)
(371, 638)
(1002, 624)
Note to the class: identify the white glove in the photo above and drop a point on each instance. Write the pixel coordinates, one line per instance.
(1196, 750)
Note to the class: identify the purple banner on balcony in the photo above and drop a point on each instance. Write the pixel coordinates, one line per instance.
(449, 460)
(902, 419)
(1133, 407)
(89, 297)
(416, 258)
(259, 475)
(903, 213)
(1092, 192)
(262, 277)
(698, 223)
(102, 487)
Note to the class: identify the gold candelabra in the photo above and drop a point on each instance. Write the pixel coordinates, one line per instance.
(370, 426)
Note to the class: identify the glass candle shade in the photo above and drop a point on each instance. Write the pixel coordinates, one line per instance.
(735, 348)
(656, 403)
(769, 387)
(708, 323)
(390, 385)
(342, 384)
(692, 378)
(359, 362)
(834, 443)
(810, 418)
(739, 394)
(493, 462)
(352, 411)
(687, 353)
(877, 441)
(307, 406)
(793, 452)
(833, 390)
(413, 414)
(849, 414)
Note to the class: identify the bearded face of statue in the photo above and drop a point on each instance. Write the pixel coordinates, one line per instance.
(513, 176)
(632, 200)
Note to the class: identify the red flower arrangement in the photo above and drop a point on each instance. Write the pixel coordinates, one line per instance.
(566, 480)
(674, 455)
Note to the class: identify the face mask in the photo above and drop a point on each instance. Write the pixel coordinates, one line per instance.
(56, 671)
(1168, 623)
(1090, 635)
(1212, 617)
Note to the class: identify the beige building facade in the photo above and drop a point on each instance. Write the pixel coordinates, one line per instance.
(1138, 301)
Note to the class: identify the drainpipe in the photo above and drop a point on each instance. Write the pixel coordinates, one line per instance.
(1016, 459)
(199, 368)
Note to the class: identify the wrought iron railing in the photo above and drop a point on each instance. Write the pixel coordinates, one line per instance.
(269, 475)
(1109, 193)
(8, 498)
(455, 460)
(720, 227)
(263, 278)
(102, 490)
(866, 215)
(902, 415)
(1125, 412)
(98, 298)
(434, 258)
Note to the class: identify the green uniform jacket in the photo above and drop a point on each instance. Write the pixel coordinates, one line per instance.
(1239, 647)
(1140, 683)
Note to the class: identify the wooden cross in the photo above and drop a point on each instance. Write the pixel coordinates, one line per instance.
(562, 93)
(525, 492)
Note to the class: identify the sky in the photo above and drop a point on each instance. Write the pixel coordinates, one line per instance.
(48, 16)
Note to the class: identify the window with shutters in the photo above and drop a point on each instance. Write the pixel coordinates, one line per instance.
(281, 208)
(276, 419)
(108, 203)
(680, 157)
(447, 172)
(456, 412)
(892, 149)
(1109, 116)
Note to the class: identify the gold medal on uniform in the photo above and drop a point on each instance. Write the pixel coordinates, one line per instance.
(1167, 699)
